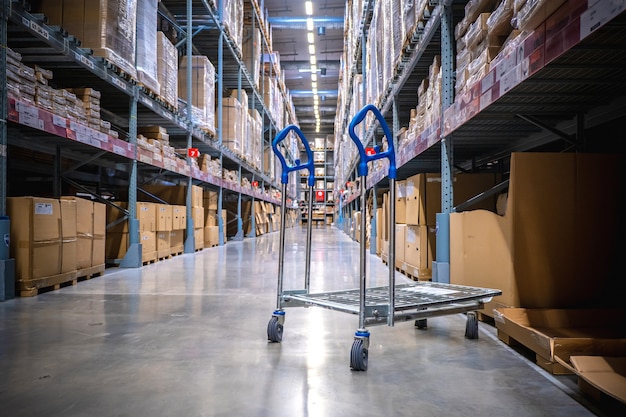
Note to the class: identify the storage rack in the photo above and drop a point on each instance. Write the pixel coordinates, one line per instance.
(129, 104)
(567, 78)
(324, 176)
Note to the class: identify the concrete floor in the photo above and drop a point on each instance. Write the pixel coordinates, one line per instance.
(187, 337)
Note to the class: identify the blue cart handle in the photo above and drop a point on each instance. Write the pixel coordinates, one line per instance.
(364, 157)
(284, 177)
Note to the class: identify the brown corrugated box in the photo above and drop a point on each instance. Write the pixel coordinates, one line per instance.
(177, 241)
(99, 234)
(68, 234)
(84, 231)
(35, 236)
(163, 244)
(554, 246)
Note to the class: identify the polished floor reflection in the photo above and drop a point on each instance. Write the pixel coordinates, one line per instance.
(187, 337)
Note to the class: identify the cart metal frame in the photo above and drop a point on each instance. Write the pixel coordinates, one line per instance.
(376, 305)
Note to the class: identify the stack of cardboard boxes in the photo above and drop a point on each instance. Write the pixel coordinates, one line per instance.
(55, 240)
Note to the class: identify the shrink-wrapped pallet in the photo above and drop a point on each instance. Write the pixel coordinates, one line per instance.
(147, 66)
(167, 70)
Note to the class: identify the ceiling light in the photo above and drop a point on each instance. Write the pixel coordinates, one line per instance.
(314, 84)
(313, 76)
(312, 49)
(310, 37)
(317, 129)
(314, 90)
(313, 59)
(313, 68)
(309, 24)
(308, 6)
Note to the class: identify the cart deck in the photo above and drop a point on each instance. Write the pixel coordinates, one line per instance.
(412, 301)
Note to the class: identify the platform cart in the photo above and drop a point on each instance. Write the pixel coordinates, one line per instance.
(375, 305)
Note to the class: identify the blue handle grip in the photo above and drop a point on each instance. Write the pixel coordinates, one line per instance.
(364, 157)
(284, 177)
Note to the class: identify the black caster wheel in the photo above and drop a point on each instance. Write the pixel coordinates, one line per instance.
(274, 330)
(421, 323)
(358, 355)
(471, 325)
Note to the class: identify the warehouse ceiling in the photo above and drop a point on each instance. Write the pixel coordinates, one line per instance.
(291, 39)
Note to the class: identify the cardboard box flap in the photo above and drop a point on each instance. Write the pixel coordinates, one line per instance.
(608, 374)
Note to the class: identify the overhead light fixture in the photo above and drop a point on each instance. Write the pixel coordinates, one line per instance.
(313, 60)
(312, 49)
(313, 68)
(314, 90)
(310, 37)
(317, 129)
(309, 24)
(308, 6)
(314, 84)
(313, 76)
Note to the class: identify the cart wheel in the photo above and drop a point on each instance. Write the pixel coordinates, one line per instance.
(274, 330)
(471, 325)
(421, 323)
(358, 356)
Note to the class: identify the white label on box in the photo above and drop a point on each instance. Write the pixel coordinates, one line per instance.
(487, 82)
(59, 121)
(43, 208)
(410, 189)
(119, 150)
(29, 116)
(598, 14)
(410, 235)
(39, 30)
(485, 100)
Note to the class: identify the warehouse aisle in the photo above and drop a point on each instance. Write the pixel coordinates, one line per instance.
(187, 337)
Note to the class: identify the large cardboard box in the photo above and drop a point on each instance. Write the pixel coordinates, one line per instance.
(203, 88)
(179, 217)
(35, 236)
(401, 201)
(108, 27)
(419, 250)
(423, 195)
(173, 194)
(68, 235)
(561, 333)
(555, 246)
(163, 244)
(198, 235)
(400, 245)
(99, 234)
(164, 218)
(210, 199)
(211, 236)
(177, 242)
(116, 245)
(148, 245)
(84, 231)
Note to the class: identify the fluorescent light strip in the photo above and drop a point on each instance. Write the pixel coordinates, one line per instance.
(310, 37)
(308, 6)
(312, 49)
(309, 24)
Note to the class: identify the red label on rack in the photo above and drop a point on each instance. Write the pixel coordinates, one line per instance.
(370, 151)
(255, 183)
(193, 152)
(319, 196)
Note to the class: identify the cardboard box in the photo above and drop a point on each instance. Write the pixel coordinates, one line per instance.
(177, 242)
(99, 234)
(164, 218)
(401, 201)
(116, 245)
(562, 333)
(558, 231)
(36, 240)
(210, 199)
(179, 217)
(198, 235)
(163, 244)
(84, 231)
(211, 236)
(420, 248)
(198, 217)
(601, 374)
(400, 244)
(68, 234)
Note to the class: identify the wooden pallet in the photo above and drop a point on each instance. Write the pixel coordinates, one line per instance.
(91, 272)
(545, 363)
(32, 287)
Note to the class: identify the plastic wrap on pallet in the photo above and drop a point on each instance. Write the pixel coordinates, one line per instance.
(109, 29)
(233, 20)
(203, 88)
(147, 66)
(167, 70)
